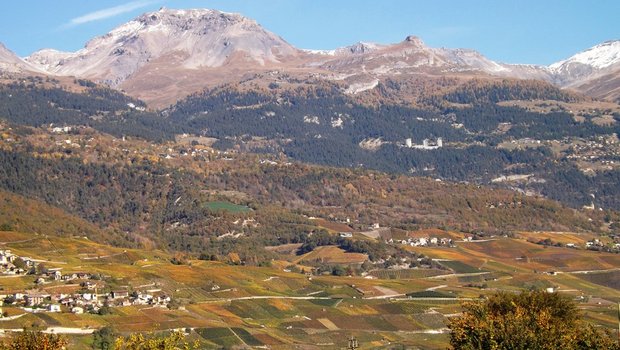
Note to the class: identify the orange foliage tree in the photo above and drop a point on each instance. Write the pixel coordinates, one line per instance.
(33, 340)
(529, 320)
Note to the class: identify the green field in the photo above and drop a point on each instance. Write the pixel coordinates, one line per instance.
(460, 267)
(226, 206)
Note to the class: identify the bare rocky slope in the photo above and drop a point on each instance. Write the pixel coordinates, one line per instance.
(185, 39)
(11, 63)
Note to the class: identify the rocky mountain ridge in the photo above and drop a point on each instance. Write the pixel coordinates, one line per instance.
(190, 39)
(11, 63)
(167, 54)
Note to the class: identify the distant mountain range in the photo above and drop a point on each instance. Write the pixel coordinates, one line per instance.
(165, 55)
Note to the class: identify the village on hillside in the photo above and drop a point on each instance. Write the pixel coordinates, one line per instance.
(91, 296)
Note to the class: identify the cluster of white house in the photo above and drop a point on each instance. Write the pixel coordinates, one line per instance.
(89, 301)
(597, 243)
(424, 241)
(152, 297)
(55, 275)
(60, 129)
(8, 263)
(79, 139)
(12, 264)
(426, 144)
(86, 301)
(137, 108)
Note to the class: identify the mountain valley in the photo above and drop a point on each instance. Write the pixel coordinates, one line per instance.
(192, 171)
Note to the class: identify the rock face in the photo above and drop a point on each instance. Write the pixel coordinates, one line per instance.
(409, 56)
(11, 63)
(187, 39)
(364, 64)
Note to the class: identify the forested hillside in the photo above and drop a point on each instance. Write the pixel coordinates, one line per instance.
(484, 139)
(150, 203)
(326, 127)
(37, 102)
(477, 91)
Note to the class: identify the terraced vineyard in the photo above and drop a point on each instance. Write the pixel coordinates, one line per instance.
(254, 306)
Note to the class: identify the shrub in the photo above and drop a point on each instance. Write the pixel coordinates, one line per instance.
(530, 320)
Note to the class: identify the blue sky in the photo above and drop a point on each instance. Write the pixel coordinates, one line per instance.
(525, 31)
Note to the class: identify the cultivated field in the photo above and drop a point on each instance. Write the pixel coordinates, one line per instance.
(227, 305)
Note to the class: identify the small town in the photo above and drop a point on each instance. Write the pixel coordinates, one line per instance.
(90, 297)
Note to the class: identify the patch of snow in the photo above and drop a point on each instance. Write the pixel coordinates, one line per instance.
(320, 52)
(126, 29)
(599, 56)
(359, 48)
(471, 59)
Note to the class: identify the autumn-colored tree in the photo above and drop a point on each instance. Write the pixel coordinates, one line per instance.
(33, 340)
(533, 320)
(139, 341)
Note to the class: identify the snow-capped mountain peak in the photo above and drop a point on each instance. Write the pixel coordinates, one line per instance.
(600, 56)
(600, 61)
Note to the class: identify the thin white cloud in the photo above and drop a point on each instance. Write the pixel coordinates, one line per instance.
(109, 12)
